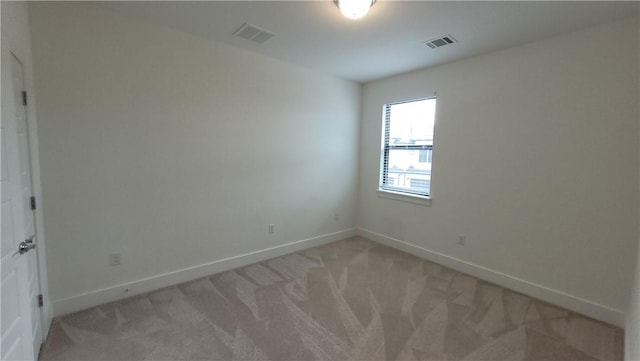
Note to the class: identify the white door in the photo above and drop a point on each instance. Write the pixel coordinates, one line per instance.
(20, 335)
(17, 71)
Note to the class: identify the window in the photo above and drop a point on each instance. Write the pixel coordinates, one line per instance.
(407, 147)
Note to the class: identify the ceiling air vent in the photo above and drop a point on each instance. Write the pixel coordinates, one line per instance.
(440, 41)
(253, 33)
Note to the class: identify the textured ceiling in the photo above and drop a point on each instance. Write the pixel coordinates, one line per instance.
(388, 40)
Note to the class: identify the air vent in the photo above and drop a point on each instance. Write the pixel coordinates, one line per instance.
(253, 33)
(440, 41)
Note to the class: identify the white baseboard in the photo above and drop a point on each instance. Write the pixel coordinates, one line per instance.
(125, 290)
(562, 299)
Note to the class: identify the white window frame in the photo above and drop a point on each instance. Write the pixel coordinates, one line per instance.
(400, 194)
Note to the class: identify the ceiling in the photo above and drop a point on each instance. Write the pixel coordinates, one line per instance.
(388, 41)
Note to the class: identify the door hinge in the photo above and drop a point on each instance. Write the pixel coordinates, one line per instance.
(33, 203)
(24, 98)
(40, 301)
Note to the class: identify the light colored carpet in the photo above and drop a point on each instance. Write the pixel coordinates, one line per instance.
(349, 300)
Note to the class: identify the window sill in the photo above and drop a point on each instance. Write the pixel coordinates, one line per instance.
(425, 201)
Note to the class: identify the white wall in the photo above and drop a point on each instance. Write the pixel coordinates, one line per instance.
(632, 325)
(177, 151)
(632, 321)
(15, 26)
(535, 160)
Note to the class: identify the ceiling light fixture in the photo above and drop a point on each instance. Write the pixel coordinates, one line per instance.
(354, 9)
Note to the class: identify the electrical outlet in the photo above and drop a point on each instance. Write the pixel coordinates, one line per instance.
(462, 239)
(272, 228)
(115, 259)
